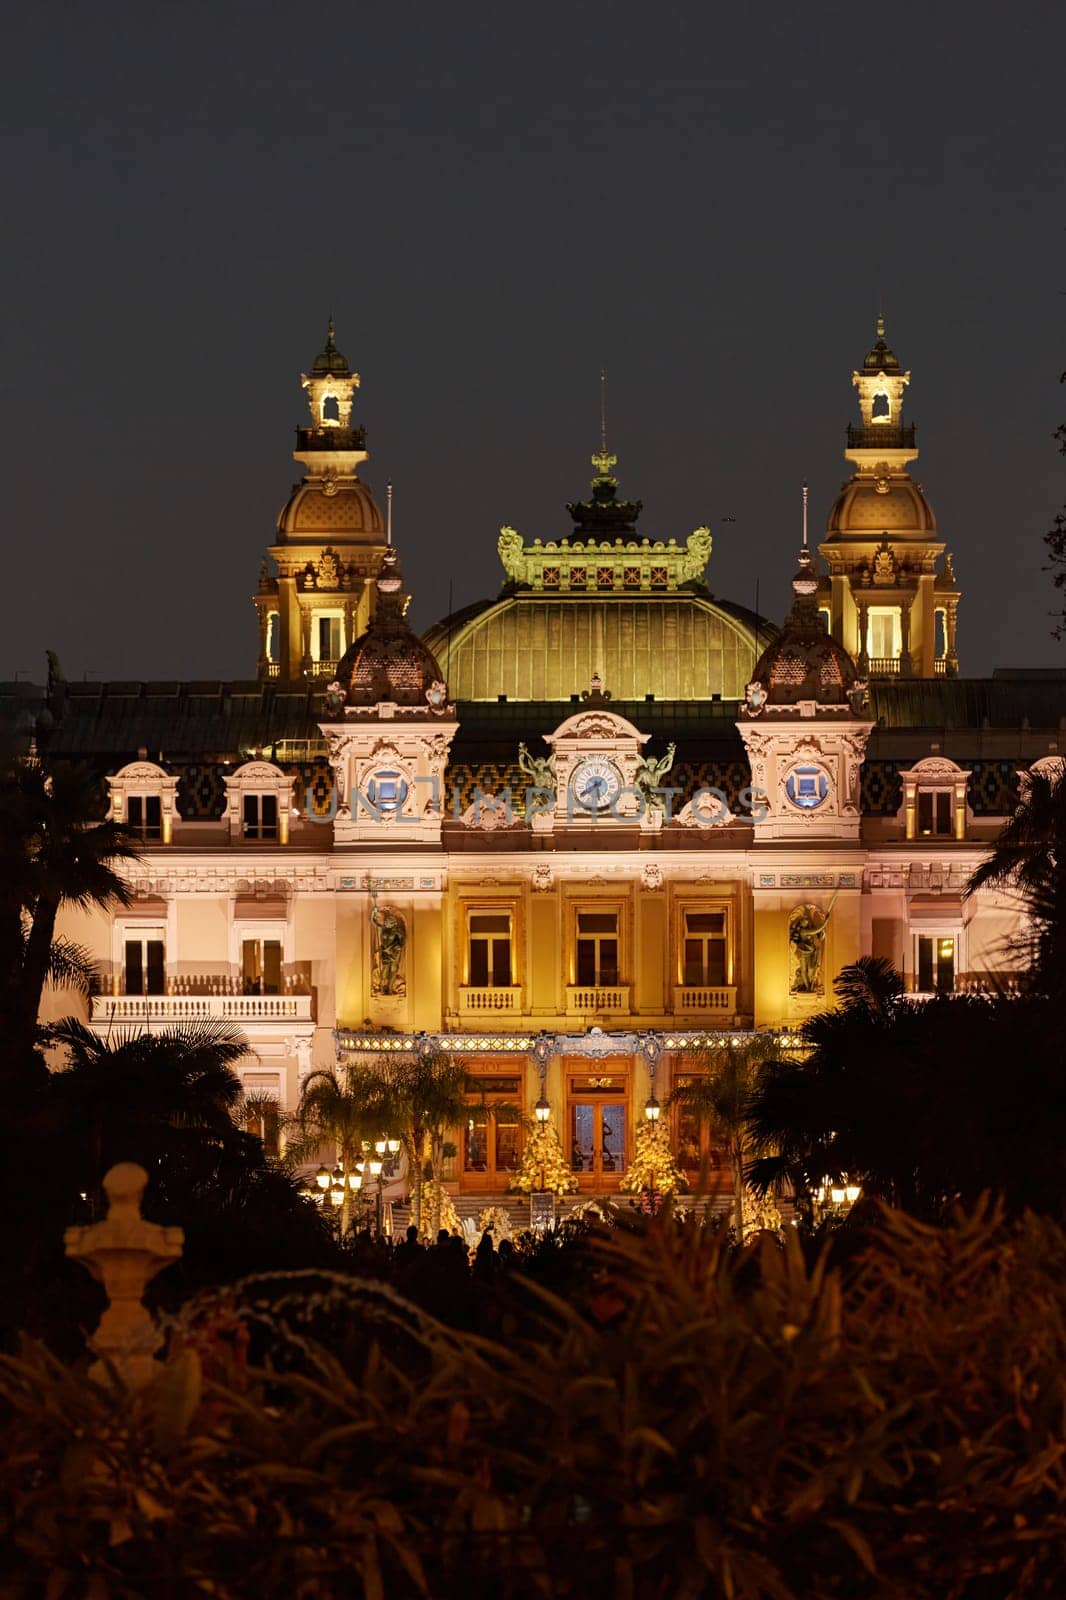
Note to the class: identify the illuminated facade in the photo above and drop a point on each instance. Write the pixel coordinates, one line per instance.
(573, 831)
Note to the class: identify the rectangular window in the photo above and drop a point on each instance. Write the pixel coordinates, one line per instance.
(884, 633)
(936, 964)
(260, 816)
(144, 816)
(329, 638)
(705, 949)
(490, 949)
(144, 964)
(934, 813)
(597, 948)
(261, 966)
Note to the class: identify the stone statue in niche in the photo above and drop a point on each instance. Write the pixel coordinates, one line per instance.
(807, 927)
(388, 947)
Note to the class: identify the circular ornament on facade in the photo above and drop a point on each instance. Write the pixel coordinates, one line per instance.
(595, 782)
(807, 786)
(387, 791)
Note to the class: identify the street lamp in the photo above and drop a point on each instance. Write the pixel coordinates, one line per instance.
(652, 1108)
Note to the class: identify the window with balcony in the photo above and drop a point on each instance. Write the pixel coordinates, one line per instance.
(935, 814)
(489, 949)
(596, 956)
(704, 957)
(935, 963)
(144, 963)
(144, 816)
(261, 966)
(260, 816)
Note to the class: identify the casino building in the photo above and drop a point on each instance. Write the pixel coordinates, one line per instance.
(571, 832)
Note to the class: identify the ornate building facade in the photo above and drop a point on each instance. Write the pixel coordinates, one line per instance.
(577, 832)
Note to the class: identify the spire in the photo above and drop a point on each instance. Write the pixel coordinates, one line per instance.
(604, 461)
(805, 514)
(388, 512)
(329, 360)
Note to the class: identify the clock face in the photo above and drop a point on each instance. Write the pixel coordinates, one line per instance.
(806, 787)
(595, 782)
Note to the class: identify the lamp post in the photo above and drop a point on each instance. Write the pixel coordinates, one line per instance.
(542, 1111)
(335, 1187)
(839, 1195)
(652, 1112)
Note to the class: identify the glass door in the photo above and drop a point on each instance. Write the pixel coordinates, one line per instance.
(597, 1129)
(491, 1145)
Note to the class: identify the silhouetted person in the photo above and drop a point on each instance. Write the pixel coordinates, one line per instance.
(485, 1258)
(410, 1251)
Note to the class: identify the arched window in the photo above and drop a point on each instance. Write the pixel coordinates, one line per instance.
(331, 411)
(881, 410)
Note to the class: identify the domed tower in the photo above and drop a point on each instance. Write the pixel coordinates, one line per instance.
(890, 596)
(803, 726)
(389, 727)
(330, 536)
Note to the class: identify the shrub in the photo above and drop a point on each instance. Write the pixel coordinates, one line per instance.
(708, 1422)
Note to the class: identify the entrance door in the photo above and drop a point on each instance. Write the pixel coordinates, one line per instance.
(597, 1127)
(491, 1146)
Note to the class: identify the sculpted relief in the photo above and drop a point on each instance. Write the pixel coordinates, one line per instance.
(807, 928)
(388, 950)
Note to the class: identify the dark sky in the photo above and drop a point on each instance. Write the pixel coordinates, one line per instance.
(495, 200)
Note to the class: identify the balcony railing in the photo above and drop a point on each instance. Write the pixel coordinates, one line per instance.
(881, 435)
(721, 999)
(323, 669)
(330, 438)
(884, 666)
(585, 1000)
(139, 1008)
(482, 998)
(273, 669)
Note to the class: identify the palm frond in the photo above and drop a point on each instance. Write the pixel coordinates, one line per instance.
(70, 966)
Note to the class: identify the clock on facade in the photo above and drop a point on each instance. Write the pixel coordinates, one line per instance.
(594, 783)
(806, 786)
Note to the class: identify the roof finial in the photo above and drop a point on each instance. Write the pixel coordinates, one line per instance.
(329, 330)
(603, 462)
(388, 513)
(805, 514)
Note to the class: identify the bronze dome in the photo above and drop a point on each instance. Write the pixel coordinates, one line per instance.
(388, 662)
(805, 662)
(330, 363)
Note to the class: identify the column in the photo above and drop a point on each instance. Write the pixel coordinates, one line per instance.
(863, 655)
(905, 639)
(950, 621)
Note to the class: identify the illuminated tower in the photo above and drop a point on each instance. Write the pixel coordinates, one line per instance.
(330, 537)
(890, 597)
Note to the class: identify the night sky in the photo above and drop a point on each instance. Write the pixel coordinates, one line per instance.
(495, 201)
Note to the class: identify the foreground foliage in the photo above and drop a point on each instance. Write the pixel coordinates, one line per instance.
(706, 1422)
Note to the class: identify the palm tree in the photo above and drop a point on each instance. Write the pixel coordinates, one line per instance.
(721, 1092)
(51, 855)
(420, 1099)
(1029, 857)
(344, 1109)
(147, 1097)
